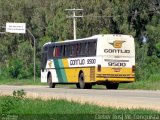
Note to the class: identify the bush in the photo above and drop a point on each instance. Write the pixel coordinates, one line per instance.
(16, 69)
(146, 66)
(11, 103)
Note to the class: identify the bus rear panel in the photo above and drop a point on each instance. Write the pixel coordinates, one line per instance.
(115, 59)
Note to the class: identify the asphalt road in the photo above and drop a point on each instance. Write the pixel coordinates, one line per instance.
(114, 98)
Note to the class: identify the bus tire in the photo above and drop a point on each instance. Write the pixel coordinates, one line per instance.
(81, 81)
(110, 85)
(49, 81)
(82, 84)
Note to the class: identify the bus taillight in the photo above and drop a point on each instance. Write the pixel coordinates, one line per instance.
(99, 68)
(133, 68)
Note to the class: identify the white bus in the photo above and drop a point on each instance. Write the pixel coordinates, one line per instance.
(107, 59)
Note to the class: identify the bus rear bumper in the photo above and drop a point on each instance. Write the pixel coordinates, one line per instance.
(115, 79)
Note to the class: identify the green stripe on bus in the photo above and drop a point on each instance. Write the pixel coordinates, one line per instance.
(57, 68)
(63, 73)
(60, 72)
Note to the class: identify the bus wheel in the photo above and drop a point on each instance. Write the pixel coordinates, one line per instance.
(82, 84)
(49, 81)
(81, 81)
(112, 85)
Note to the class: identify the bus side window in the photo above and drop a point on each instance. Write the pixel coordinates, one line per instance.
(86, 48)
(55, 51)
(95, 48)
(78, 49)
(50, 51)
(74, 50)
(82, 49)
(92, 48)
(60, 51)
(63, 51)
(71, 50)
(67, 50)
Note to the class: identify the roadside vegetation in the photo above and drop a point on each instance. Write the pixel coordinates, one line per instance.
(141, 85)
(13, 81)
(23, 108)
(153, 83)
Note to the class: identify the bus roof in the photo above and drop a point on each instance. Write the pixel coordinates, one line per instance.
(92, 37)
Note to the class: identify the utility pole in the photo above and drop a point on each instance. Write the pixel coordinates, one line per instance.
(74, 19)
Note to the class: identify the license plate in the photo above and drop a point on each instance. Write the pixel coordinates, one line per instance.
(117, 69)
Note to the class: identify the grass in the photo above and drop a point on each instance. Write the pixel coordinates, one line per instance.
(142, 85)
(153, 83)
(21, 81)
(63, 109)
